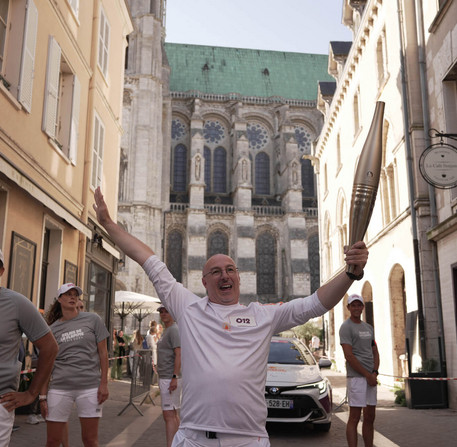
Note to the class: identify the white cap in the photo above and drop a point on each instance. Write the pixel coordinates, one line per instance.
(2, 258)
(68, 286)
(354, 297)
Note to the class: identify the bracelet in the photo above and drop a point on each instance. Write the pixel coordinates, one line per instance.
(375, 371)
(42, 397)
(355, 277)
(174, 376)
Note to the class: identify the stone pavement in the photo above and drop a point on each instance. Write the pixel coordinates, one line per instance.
(395, 426)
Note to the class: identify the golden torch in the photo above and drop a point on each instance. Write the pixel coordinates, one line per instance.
(366, 183)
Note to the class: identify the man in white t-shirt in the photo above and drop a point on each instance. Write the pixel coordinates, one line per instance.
(18, 315)
(225, 345)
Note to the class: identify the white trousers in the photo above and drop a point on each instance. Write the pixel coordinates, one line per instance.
(6, 426)
(186, 437)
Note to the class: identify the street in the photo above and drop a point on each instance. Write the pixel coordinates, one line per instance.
(395, 426)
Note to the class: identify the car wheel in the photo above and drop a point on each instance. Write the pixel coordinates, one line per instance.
(322, 427)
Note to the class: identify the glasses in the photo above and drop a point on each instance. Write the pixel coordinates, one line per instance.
(217, 273)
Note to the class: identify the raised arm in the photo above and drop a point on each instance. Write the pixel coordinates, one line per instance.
(331, 293)
(129, 244)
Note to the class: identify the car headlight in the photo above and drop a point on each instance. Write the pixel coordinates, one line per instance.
(321, 386)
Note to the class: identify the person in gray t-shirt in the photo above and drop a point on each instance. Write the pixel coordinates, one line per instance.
(80, 373)
(18, 315)
(168, 368)
(362, 363)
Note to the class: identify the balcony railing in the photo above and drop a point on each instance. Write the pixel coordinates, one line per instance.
(230, 209)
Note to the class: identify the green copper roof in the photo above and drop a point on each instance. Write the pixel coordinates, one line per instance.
(260, 73)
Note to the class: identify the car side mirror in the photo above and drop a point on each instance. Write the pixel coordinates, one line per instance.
(325, 363)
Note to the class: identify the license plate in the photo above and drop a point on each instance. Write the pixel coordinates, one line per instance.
(280, 403)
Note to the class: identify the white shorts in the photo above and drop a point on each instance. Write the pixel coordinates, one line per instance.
(360, 394)
(6, 425)
(186, 437)
(170, 401)
(60, 404)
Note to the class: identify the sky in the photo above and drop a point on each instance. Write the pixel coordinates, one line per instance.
(303, 26)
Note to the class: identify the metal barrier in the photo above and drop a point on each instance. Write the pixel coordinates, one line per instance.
(141, 379)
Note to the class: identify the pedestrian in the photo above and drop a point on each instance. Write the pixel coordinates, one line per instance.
(169, 367)
(19, 315)
(136, 345)
(80, 373)
(224, 344)
(121, 349)
(362, 364)
(80, 305)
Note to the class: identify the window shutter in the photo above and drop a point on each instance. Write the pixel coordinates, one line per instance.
(76, 100)
(52, 88)
(28, 56)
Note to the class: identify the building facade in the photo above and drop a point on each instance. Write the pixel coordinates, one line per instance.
(61, 79)
(401, 286)
(212, 160)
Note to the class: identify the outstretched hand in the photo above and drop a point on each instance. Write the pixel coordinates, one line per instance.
(101, 208)
(357, 255)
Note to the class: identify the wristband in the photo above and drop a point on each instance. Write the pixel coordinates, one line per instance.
(174, 376)
(42, 397)
(355, 277)
(376, 372)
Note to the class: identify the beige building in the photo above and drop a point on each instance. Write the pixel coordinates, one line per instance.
(61, 82)
(401, 285)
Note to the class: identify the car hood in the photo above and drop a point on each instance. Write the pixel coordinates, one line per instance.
(284, 375)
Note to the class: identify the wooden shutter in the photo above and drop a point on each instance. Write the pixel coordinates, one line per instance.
(28, 56)
(74, 122)
(51, 88)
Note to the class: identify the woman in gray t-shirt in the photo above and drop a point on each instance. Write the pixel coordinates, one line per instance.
(80, 373)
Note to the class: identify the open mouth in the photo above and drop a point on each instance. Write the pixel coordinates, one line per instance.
(226, 287)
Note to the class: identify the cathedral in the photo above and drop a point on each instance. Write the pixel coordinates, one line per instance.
(214, 160)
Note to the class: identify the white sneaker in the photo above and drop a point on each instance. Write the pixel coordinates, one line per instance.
(40, 418)
(32, 419)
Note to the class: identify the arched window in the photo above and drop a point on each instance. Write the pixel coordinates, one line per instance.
(217, 243)
(262, 174)
(180, 168)
(220, 170)
(307, 178)
(175, 254)
(207, 155)
(265, 253)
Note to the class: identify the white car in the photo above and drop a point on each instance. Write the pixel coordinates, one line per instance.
(295, 390)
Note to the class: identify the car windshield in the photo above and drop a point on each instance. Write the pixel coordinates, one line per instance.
(286, 352)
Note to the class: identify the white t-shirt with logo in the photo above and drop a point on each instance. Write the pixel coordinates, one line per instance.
(224, 352)
(77, 365)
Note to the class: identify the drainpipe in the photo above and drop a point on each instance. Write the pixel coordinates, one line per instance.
(410, 173)
(431, 189)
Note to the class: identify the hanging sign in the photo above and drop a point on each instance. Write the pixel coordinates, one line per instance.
(438, 165)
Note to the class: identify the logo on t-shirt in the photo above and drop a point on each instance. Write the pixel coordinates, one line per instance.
(244, 321)
(66, 337)
(364, 334)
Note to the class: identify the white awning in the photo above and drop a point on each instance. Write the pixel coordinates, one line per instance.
(133, 297)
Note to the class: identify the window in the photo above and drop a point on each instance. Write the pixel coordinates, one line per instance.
(262, 174)
(356, 111)
(74, 6)
(307, 178)
(175, 254)
(97, 152)
(103, 43)
(18, 33)
(381, 59)
(220, 170)
(61, 102)
(217, 243)
(265, 252)
(99, 291)
(180, 168)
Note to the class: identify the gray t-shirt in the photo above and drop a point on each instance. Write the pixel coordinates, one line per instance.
(165, 351)
(77, 365)
(361, 337)
(17, 315)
